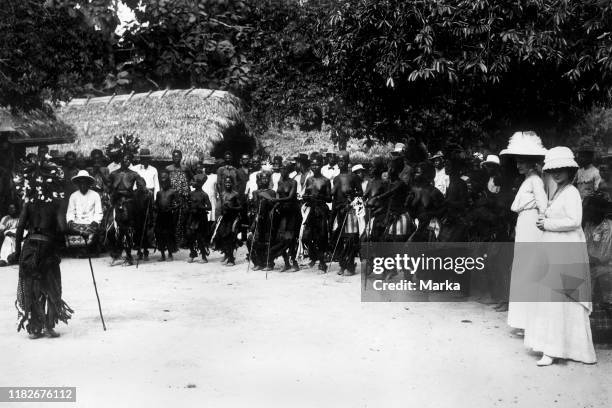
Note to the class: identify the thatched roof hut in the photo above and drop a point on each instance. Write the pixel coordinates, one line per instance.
(34, 128)
(195, 121)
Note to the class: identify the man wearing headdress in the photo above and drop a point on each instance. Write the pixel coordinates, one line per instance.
(125, 186)
(345, 225)
(39, 291)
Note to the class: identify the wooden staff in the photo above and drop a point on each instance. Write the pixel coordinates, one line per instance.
(94, 283)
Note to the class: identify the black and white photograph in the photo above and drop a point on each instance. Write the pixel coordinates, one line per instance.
(306, 203)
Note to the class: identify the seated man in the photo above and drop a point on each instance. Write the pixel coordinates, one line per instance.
(84, 212)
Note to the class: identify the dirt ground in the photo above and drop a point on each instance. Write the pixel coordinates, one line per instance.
(194, 335)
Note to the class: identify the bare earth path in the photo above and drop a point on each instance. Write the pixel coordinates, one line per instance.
(194, 335)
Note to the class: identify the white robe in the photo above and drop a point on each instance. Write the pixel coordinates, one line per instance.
(562, 329)
(530, 201)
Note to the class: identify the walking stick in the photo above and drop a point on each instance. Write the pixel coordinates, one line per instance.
(144, 229)
(95, 286)
(253, 238)
(338, 240)
(269, 241)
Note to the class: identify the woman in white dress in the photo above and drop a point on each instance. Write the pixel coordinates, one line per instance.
(560, 327)
(529, 203)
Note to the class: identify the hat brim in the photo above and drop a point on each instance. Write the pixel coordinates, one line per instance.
(560, 164)
(512, 152)
(489, 162)
(83, 178)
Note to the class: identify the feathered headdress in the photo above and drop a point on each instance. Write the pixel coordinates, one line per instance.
(41, 182)
(122, 145)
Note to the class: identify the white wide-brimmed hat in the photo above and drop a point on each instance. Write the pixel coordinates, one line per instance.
(559, 157)
(524, 144)
(491, 159)
(83, 175)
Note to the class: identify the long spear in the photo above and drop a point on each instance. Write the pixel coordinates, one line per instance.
(269, 242)
(95, 286)
(144, 229)
(338, 240)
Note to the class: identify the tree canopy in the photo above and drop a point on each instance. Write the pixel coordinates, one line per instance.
(378, 69)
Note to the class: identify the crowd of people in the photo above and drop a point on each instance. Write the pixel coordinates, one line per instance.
(320, 207)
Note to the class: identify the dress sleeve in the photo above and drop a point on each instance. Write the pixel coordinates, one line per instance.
(571, 219)
(541, 198)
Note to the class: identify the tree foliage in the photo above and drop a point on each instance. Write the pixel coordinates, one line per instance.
(378, 69)
(49, 51)
(440, 68)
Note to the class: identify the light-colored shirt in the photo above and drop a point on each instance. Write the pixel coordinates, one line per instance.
(587, 180)
(301, 187)
(441, 180)
(275, 179)
(112, 166)
(330, 172)
(209, 187)
(492, 187)
(8, 223)
(252, 184)
(149, 174)
(84, 208)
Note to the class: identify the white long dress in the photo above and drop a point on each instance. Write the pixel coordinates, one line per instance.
(562, 329)
(530, 201)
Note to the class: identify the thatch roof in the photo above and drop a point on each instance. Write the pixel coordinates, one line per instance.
(34, 128)
(193, 121)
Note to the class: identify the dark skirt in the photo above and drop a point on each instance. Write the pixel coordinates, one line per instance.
(316, 235)
(165, 233)
(39, 290)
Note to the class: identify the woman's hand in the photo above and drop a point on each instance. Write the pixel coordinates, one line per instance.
(540, 224)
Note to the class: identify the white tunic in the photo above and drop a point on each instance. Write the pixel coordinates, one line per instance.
(562, 329)
(149, 174)
(530, 201)
(84, 208)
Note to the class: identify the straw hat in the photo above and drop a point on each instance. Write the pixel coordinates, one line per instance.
(524, 144)
(83, 175)
(491, 159)
(559, 157)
